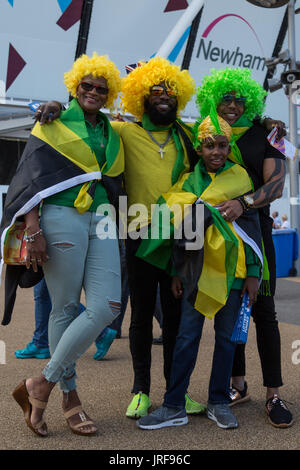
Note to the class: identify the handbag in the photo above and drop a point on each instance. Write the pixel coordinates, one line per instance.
(14, 251)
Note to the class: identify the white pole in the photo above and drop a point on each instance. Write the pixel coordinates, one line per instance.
(180, 27)
(293, 165)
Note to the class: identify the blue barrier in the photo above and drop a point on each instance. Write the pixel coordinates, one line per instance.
(286, 243)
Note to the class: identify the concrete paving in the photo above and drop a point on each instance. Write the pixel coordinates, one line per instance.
(104, 388)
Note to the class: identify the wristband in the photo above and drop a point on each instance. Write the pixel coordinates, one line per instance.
(243, 203)
(31, 238)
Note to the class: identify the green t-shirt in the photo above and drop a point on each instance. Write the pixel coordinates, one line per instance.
(97, 142)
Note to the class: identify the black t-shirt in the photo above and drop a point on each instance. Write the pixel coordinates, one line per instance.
(255, 148)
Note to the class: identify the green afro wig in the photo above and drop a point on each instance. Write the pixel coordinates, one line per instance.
(221, 82)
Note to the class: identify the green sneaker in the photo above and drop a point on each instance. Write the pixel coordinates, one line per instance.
(193, 407)
(139, 406)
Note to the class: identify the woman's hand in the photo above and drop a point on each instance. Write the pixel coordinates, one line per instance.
(48, 112)
(250, 285)
(176, 287)
(230, 210)
(36, 252)
(269, 123)
(37, 248)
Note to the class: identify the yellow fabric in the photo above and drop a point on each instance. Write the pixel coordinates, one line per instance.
(212, 296)
(227, 191)
(213, 268)
(176, 205)
(62, 139)
(211, 197)
(83, 201)
(241, 269)
(147, 175)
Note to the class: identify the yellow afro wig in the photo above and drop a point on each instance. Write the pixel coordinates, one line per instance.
(97, 66)
(136, 86)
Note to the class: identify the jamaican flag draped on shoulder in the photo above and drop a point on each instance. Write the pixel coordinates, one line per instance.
(57, 156)
(207, 273)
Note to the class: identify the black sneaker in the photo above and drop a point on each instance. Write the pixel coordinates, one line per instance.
(238, 396)
(278, 413)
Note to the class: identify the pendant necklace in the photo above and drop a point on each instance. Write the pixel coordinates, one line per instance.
(161, 150)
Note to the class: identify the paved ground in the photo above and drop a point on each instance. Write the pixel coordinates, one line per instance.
(105, 391)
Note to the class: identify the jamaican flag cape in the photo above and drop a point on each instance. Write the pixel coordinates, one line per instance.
(57, 156)
(207, 273)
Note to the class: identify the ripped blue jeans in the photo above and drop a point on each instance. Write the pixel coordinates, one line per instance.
(78, 259)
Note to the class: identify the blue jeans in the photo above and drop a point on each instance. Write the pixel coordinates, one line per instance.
(78, 259)
(117, 323)
(43, 306)
(42, 309)
(186, 350)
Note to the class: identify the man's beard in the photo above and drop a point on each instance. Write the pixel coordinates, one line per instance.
(158, 118)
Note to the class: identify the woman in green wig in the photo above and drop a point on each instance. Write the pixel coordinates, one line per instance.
(240, 100)
(211, 279)
(74, 166)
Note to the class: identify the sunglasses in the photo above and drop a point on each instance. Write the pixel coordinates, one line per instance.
(158, 90)
(87, 86)
(239, 100)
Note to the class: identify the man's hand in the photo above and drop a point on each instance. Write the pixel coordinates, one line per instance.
(269, 123)
(48, 112)
(176, 287)
(230, 210)
(117, 117)
(250, 285)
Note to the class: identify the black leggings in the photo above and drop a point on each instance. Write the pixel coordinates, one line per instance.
(143, 281)
(267, 331)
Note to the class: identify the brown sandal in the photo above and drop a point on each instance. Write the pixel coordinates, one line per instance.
(84, 421)
(26, 402)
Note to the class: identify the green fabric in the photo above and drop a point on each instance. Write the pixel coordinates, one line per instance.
(238, 283)
(265, 284)
(243, 121)
(73, 118)
(196, 183)
(239, 128)
(200, 179)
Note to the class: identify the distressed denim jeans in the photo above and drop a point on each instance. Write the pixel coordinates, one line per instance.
(78, 259)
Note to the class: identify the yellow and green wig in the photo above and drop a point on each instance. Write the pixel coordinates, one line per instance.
(97, 66)
(136, 86)
(209, 127)
(224, 81)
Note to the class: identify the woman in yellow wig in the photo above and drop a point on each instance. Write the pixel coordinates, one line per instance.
(158, 150)
(73, 165)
